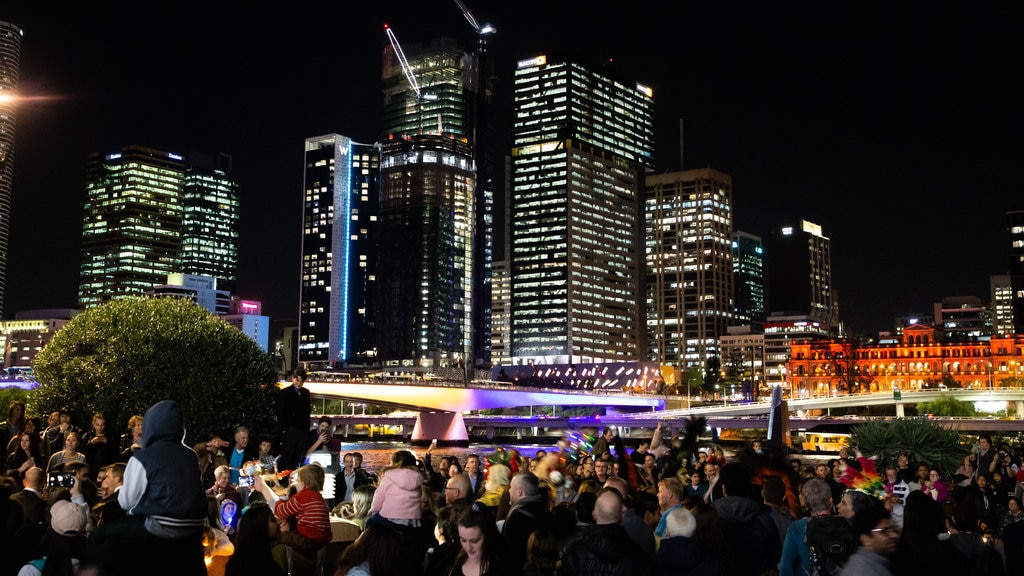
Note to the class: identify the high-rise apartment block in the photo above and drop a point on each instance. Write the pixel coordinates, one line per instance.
(582, 141)
(689, 265)
(799, 274)
(143, 207)
(339, 254)
(10, 66)
(1001, 295)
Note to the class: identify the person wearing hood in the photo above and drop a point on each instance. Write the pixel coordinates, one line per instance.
(747, 524)
(163, 493)
(605, 549)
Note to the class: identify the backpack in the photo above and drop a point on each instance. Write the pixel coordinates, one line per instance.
(831, 540)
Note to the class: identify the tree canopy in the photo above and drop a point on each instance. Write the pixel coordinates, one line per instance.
(124, 356)
(946, 405)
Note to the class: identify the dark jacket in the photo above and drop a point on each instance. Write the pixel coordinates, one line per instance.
(174, 496)
(524, 517)
(604, 550)
(99, 454)
(341, 487)
(27, 509)
(682, 556)
(293, 408)
(751, 533)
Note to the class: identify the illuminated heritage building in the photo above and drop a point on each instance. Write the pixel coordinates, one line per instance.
(582, 140)
(339, 252)
(920, 359)
(689, 265)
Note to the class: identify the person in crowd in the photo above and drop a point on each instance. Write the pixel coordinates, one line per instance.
(397, 498)
(163, 498)
(108, 509)
(879, 540)
(358, 509)
(972, 543)
(904, 471)
(1014, 513)
(439, 477)
(80, 471)
(922, 547)
(13, 426)
(132, 439)
(852, 502)
(605, 547)
(222, 488)
(27, 505)
(697, 486)
(679, 554)
(321, 438)
(26, 455)
(57, 433)
(475, 474)
(529, 511)
(920, 477)
(816, 497)
(498, 478)
(773, 493)
(64, 542)
(69, 453)
(823, 471)
(293, 408)
(307, 508)
(632, 521)
(964, 475)
(541, 553)
(374, 553)
(483, 549)
(935, 487)
(217, 546)
(748, 525)
(239, 452)
(981, 498)
(454, 468)
(896, 493)
(350, 479)
(714, 491)
(207, 469)
(457, 491)
(602, 470)
(603, 446)
(258, 532)
(670, 497)
(986, 455)
(99, 447)
(266, 457)
(439, 559)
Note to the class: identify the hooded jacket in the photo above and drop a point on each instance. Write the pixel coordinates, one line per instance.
(161, 480)
(749, 527)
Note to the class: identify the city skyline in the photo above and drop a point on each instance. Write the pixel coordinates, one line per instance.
(895, 137)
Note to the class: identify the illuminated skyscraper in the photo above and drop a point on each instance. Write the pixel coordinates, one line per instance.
(582, 140)
(10, 64)
(339, 235)
(799, 274)
(209, 227)
(435, 213)
(748, 277)
(131, 231)
(689, 265)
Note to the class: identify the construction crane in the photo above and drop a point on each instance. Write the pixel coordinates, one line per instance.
(411, 77)
(482, 31)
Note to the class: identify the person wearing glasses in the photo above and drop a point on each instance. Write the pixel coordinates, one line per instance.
(878, 542)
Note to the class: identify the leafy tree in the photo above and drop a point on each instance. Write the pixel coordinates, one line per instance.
(124, 356)
(923, 441)
(712, 374)
(946, 405)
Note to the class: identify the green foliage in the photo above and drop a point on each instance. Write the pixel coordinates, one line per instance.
(923, 441)
(122, 357)
(8, 395)
(946, 405)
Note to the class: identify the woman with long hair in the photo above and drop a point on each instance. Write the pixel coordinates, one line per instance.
(358, 509)
(13, 426)
(70, 453)
(373, 554)
(25, 455)
(257, 533)
(483, 550)
(217, 547)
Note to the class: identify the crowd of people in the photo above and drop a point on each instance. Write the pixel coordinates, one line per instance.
(95, 503)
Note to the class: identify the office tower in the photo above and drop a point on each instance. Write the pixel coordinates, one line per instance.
(131, 230)
(209, 227)
(435, 213)
(582, 140)
(1015, 252)
(799, 274)
(10, 65)
(689, 265)
(748, 277)
(963, 318)
(202, 290)
(1001, 294)
(501, 303)
(426, 278)
(339, 235)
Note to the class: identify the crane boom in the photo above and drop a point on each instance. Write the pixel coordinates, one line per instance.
(401, 59)
(468, 15)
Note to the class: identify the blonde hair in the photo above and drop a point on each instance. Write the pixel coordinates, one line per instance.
(312, 476)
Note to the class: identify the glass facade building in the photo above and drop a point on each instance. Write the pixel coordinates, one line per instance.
(748, 276)
(690, 290)
(131, 229)
(799, 273)
(339, 251)
(209, 227)
(10, 66)
(582, 140)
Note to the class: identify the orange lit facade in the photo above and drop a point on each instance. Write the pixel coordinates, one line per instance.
(919, 360)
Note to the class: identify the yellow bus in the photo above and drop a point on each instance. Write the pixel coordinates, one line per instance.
(825, 441)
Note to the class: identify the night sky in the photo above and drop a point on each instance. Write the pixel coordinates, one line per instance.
(894, 128)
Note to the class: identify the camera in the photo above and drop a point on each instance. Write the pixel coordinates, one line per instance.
(61, 479)
(244, 481)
